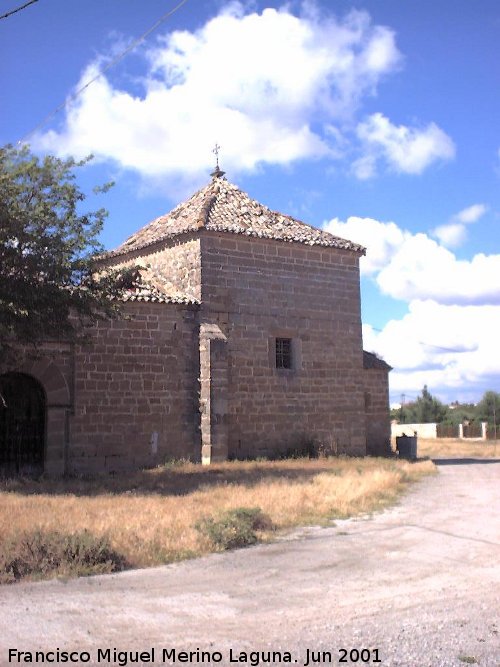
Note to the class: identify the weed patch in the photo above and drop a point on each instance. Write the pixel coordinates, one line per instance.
(235, 528)
(42, 554)
(150, 517)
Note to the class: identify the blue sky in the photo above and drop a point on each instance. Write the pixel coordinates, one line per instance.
(377, 120)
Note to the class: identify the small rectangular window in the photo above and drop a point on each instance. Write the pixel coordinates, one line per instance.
(283, 353)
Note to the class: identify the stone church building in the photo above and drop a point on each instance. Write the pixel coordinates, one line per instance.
(243, 339)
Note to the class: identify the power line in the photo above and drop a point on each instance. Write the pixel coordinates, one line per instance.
(437, 347)
(18, 9)
(111, 64)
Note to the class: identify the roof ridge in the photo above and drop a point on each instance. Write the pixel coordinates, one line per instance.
(221, 206)
(147, 286)
(208, 203)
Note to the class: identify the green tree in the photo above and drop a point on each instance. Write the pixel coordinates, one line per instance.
(48, 250)
(426, 409)
(488, 408)
(459, 413)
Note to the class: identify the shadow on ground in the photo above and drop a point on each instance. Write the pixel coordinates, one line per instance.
(170, 481)
(465, 461)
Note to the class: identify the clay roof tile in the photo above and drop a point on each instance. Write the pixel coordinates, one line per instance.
(221, 206)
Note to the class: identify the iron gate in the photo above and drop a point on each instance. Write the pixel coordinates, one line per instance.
(22, 424)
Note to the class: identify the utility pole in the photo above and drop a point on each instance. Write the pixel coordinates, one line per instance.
(495, 422)
(402, 408)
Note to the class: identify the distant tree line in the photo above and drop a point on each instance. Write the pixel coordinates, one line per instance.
(428, 409)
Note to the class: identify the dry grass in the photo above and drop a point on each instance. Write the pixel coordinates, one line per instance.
(454, 448)
(149, 517)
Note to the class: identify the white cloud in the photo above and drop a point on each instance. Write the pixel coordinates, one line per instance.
(169, 133)
(381, 239)
(452, 349)
(422, 269)
(451, 235)
(265, 86)
(454, 233)
(413, 266)
(448, 338)
(471, 213)
(365, 167)
(405, 149)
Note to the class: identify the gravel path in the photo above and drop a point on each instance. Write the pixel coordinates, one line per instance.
(416, 586)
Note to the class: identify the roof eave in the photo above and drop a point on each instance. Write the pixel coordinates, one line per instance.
(344, 244)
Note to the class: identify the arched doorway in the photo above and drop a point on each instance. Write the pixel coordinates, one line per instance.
(22, 424)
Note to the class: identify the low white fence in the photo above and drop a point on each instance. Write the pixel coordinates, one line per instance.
(431, 431)
(423, 430)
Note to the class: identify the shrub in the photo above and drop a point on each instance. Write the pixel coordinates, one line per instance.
(234, 528)
(305, 447)
(39, 553)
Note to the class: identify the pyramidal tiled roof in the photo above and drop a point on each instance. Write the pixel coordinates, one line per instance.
(371, 360)
(222, 207)
(151, 285)
(154, 295)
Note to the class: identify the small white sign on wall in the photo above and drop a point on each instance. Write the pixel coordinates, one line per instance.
(153, 441)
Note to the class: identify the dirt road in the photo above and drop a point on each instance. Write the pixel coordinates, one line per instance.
(416, 586)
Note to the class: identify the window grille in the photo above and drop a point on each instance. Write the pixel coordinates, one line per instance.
(283, 353)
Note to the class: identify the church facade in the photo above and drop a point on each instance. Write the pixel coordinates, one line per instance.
(243, 339)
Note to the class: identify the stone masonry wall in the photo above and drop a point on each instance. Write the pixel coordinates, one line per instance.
(178, 259)
(378, 426)
(51, 364)
(260, 289)
(213, 394)
(136, 390)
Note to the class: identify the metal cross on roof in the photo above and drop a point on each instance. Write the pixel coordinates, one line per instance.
(216, 151)
(217, 173)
